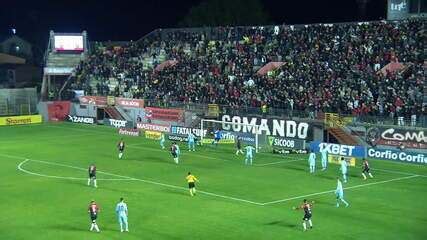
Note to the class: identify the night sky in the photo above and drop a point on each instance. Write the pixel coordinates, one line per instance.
(130, 20)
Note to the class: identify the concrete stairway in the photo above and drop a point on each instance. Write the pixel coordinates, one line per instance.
(342, 136)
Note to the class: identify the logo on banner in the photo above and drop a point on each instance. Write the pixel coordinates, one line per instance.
(164, 114)
(395, 137)
(152, 135)
(397, 155)
(129, 132)
(117, 123)
(18, 120)
(286, 143)
(338, 149)
(267, 126)
(153, 127)
(128, 102)
(185, 131)
(77, 119)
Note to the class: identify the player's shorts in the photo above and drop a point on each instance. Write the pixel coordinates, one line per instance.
(365, 170)
(340, 195)
(217, 139)
(93, 217)
(307, 216)
(191, 185)
(92, 175)
(174, 155)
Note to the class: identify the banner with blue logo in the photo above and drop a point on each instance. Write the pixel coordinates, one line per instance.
(338, 149)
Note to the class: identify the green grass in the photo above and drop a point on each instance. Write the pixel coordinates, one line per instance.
(234, 203)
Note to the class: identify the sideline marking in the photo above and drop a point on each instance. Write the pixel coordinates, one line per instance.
(331, 191)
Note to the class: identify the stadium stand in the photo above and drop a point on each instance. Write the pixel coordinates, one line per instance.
(361, 69)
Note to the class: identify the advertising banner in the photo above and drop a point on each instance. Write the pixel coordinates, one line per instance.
(286, 143)
(129, 102)
(129, 132)
(222, 141)
(177, 138)
(20, 120)
(178, 130)
(152, 135)
(78, 119)
(58, 110)
(268, 126)
(95, 100)
(165, 114)
(336, 159)
(153, 127)
(410, 138)
(396, 155)
(117, 123)
(338, 149)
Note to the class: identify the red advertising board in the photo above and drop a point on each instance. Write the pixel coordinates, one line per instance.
(96, 100)
(129, 102)
(165, 114)
(58, 110)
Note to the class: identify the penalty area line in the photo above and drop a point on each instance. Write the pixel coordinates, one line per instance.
(331, 191)
(123, 178)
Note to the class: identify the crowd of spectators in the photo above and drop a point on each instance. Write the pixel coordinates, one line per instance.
(325, 67)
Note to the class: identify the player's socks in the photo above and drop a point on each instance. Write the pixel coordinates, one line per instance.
(194, 191)
(88, 182)
(345, 202)
(96, 227)
(91, 227)
(310, 223)
(94, 183)
(370, 175)
(304, 226)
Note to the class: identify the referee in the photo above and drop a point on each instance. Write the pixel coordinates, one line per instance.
(191, 179)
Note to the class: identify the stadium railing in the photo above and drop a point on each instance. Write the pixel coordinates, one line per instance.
(287, 114)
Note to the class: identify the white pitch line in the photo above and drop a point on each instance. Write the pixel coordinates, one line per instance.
(398, 172)
(21, 168)
(272, 163)
(330, 191)
(129, 178)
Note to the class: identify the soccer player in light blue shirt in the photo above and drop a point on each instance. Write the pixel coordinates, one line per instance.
(312, 161)
(162, 140)
(339, 192)
(191, 144)
(122, 215)
(324, 153)
(343, 169)
(249, 154)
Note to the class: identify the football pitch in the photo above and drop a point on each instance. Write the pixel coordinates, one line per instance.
(43, 191)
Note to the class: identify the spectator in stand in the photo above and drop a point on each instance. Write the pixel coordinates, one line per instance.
(326, 67)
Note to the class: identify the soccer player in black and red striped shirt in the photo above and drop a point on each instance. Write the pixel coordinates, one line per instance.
(93, 211)
(366, 169)
(121, 147)
(306, 206)
(92, 175)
